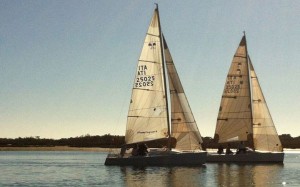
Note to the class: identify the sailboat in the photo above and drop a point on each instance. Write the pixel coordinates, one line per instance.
(156, 89)
(244, 116)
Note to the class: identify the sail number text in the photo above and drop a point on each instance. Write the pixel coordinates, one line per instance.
(232, 89)
(232, 86)
(142, 80)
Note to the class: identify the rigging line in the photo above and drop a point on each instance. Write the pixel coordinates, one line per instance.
(117, 124)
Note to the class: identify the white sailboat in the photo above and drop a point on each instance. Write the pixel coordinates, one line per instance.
(244, 115)
(148, 118)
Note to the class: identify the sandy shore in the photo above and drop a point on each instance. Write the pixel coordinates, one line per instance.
(57, 148)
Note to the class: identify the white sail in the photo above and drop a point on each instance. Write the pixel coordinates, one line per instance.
(265, 136)
(183, 124)
(147, 116)
(234, 118)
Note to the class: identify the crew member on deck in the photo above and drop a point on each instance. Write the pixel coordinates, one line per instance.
(228, 151)
(134, 151)
(220, 150)
(241, 148)
(142, 150)
(123, 150)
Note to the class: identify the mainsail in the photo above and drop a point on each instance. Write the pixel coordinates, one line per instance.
(147, 115)
(244, 114)
(183, 124)
(234, 118)
(148, 111)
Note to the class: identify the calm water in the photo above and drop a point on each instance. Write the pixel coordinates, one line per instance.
(52, 168)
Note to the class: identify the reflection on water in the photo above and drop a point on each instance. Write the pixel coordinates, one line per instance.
(209, 175)
(267, 174)
(163, 176)
(245, 175)
(257, 175)
(88, 169)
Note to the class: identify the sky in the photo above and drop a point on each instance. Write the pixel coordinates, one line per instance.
(67, 67)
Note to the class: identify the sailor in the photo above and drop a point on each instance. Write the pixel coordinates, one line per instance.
(220, 150)
(123, 150)
(241, 148)
(143, 149)
(135, 151)
(228, 151)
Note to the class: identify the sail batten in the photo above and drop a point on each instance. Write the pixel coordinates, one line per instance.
(147, 61)
(153, 35)
(239, 56)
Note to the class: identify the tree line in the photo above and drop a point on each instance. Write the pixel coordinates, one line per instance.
(105, 141)
(115, 141)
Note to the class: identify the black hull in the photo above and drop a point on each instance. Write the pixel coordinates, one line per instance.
(179, 159)
(253, 157)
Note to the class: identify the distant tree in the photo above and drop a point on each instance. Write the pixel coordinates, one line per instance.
(108, 140)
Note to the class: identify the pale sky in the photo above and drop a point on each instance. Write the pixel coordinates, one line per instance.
(67, 67)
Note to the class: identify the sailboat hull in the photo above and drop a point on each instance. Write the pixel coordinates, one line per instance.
(253, 157)
(167, 159)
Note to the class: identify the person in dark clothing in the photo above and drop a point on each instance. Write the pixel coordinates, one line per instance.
(134, 151)
(123, 150)
(220, 150)
(142, 149)
(241, 148)
(228, 151)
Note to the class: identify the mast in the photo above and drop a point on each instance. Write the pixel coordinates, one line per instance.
(164, 77)
(250, 139)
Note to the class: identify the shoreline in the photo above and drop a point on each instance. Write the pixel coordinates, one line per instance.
(59, 148)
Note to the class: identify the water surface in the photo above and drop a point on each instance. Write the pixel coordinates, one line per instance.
(71, 168)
